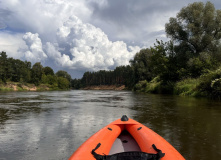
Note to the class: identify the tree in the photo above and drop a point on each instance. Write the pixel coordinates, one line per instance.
(164, 63)
(63, 74)
(49, 79)
(48, 71)
(141, 65)
(3, 66)
(36, 73)
(196, 29)
(76, 83)
(63, 83)
(27, 72)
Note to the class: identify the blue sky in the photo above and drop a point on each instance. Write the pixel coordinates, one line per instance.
(83, 35)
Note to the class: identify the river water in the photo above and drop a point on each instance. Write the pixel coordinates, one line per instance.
(52, 125)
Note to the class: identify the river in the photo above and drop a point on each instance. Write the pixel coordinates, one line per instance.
(52, 125)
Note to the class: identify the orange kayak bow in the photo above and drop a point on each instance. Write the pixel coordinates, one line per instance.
(126, 139)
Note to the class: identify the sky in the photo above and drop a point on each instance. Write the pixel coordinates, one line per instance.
(84, 35)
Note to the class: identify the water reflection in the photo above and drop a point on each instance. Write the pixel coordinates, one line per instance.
(51, 125)
(191, 125)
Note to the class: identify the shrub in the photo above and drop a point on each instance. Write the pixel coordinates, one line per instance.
(186, 87)
(140, 86)
(210, 84)
(63, 83)
(154, 86)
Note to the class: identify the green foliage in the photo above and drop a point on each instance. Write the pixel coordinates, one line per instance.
(210, 84)
(63, 83)
(19, 70)
(199, 65)
(196, 33)
(155, 86)
(36, 73)
(194, 51)
(187, 87)
(197, 28)
(76, 83)
(207, 85)
(63, 74)
(164, 61)
(48, 71)
(141, 65)
(4, 67)
(50, 80)
(159, 60)
(15, 70)
(140, 86)
(149, 87)
(122, 75)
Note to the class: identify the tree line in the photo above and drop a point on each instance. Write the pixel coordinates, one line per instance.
(15, 70)
(119, 76)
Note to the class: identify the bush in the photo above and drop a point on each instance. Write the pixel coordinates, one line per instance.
(153, 86)
(140, 86)
(187, 87)
(63, 83)
(210, 84)
(216, 88)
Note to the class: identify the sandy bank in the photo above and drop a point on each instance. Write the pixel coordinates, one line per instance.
(105, 87)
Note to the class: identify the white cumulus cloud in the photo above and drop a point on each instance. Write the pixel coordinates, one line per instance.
(61, 34)
(90, 47)
(35, 51)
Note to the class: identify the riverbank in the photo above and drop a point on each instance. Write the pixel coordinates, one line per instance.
(207, 85)
(105, 87)
(17, 86)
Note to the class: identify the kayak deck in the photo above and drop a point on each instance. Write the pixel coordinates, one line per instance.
(124, 143)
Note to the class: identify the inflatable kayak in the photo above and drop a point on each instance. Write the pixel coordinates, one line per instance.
(126, 139)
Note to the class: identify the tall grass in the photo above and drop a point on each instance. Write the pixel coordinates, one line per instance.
(187, 87)
(155, 86)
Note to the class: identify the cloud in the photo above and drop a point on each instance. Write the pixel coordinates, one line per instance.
(55, 38)
(59, 59)
(4, 14)
(40, 16)
(11, 42)
(78, 46)
(136, 20)
(35, 51)
(90, 47)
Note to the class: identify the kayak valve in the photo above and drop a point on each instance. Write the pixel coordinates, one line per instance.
(124, 118)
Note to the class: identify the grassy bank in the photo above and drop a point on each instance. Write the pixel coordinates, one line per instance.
(17, 86)
(207, 85)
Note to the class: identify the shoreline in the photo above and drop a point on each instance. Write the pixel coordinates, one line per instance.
(105, 87)
(29, 87)
(17, 86)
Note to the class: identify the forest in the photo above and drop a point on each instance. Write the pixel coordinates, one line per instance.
(15, 70)
(188, 64)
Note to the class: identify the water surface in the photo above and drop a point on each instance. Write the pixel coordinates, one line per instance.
(52, 125)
